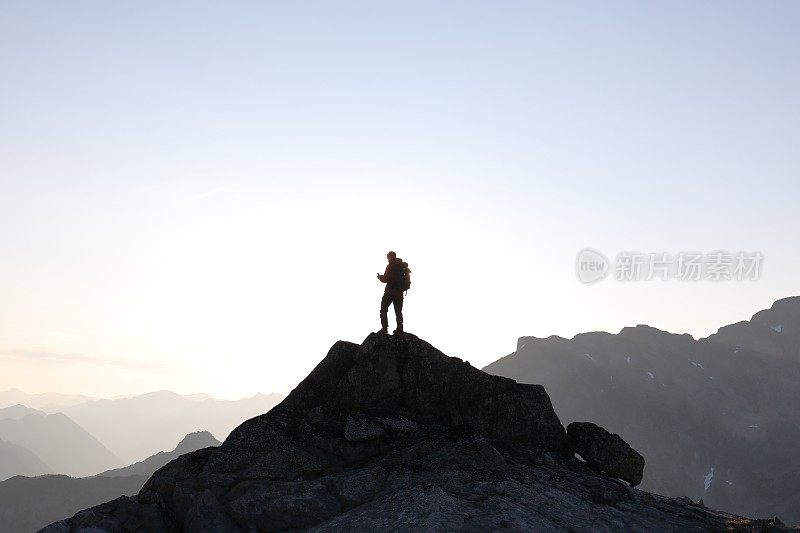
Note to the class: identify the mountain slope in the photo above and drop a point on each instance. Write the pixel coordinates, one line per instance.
(141, 426)
(716, 418)
(60, 443)
(190, 443)
(27, 504)
(16, 460)
(15, 412)
(773, 331)
(394, 435)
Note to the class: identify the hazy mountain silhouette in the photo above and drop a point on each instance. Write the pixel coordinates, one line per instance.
(190, 443)
(772, 331)
(200, 396)
(16, 460)
(48, 401)
(716, 418)
(394, 435)
(15, 412)
(27, 504)
(140, 426)
(59, 442)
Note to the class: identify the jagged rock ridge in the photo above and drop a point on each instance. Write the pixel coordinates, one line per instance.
(715, 418)
(393, 435)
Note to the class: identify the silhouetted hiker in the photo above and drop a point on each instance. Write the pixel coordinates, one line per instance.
(397, 278)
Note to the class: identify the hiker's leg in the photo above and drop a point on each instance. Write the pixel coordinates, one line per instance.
(398, 311)
(385, 301)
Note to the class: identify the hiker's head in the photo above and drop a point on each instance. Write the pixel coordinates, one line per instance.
(390, 256)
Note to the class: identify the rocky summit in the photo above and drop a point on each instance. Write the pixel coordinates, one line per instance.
(393, 435)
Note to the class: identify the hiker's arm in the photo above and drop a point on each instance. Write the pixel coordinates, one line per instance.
(385, 276)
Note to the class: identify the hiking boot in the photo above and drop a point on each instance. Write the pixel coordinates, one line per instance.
(384, 331)
(398, 331)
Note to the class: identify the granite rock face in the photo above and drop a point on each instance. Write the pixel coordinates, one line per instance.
(394, 435)
(606, 451)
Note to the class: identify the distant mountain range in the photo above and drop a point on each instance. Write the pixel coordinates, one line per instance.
(140, 426)
(29, 503)
(48, 401)
(131, 427)
(716, 418)
(16, 412)
(59, 444)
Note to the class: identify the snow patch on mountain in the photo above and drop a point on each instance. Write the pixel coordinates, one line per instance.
(708, 479)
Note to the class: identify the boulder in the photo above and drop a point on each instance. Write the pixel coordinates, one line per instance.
(606, 451)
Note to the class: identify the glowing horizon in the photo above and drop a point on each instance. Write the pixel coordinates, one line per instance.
(196, 198)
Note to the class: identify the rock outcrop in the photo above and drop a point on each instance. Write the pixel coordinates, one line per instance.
(408, 377)
(606, 451)
(393, 435)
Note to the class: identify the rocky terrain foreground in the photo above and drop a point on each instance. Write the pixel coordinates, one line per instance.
(394, 435)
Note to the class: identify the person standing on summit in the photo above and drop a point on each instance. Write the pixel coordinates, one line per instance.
(397, 278)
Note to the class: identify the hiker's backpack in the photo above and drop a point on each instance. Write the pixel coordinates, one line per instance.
(404, 277)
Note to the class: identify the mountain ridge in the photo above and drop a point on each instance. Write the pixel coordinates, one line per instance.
(191, 442)
(59, 442)
(15, 396)
(18, 460)
(391, 434)
(714, 416)
(141, 426)
(759, 316)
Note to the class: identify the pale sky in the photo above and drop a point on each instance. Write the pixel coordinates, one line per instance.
(196, 196)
